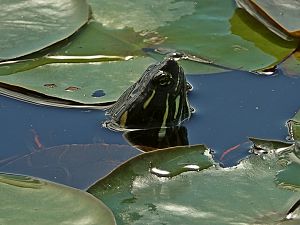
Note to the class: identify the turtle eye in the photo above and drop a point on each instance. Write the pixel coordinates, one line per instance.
(163, 79)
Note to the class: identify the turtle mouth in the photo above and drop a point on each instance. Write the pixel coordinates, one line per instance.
(172, 67)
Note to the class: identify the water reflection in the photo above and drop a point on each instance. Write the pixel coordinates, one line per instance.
(151, 139)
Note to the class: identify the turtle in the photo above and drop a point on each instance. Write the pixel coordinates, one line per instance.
(157, 100)
(152, 110)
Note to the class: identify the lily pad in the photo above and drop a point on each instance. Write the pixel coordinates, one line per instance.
(281, 17)
(96, 39)
(26, 200)
(78, 82)
(291, 66)
(266, 145)
(228, 41)
(94, 43)
(288, 153)
(47, 22)
(246, 194)
(289, 177)
(294, 127)
(144, 15)
(219, 32)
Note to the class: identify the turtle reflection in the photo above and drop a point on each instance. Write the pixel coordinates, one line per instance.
(151, 139)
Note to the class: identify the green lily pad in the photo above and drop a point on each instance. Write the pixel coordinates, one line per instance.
(26, 200)
(294, 127)
(94, 43)
(218, 31)
(246, 194)
(30, 26)
(289, 177)
(288, 153)
(291, 66)
(281, 17)
(87, 83)
(266, 145)
(96, 39)
(143, 16)
(116, 187)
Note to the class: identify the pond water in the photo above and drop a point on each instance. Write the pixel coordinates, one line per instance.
(229, 107)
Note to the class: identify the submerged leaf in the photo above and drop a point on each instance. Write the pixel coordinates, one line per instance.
(29, 26)
(60, 163)
(26, 200)
(246, 194)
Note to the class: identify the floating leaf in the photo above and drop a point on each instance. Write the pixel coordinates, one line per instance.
(288, 153)
(266, 146)
(190, 65)
(291, 66)
(26, 200)
(78, 82)
(29, 26)
(294, 127)
(281, 17)
(94, 43)
(143, 16)
(60, 163)
(289, 177)
(219, 32)
(95, 39)
(222, 42)
(246, 194)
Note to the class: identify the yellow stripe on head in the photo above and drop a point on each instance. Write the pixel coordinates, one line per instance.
(177, 101)
(162, 131)
(123, 119)
(166, 112)
(149, 100)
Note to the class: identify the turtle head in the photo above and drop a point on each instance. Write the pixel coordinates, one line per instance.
(158, 99)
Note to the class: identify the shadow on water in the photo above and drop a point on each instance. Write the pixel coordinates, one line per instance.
(229, 106)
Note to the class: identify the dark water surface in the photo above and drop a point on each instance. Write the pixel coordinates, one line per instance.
(39, 141)
(233, 106)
